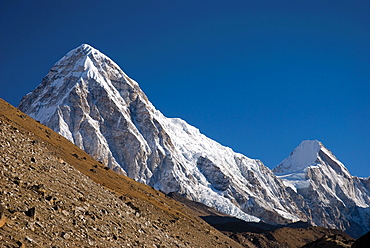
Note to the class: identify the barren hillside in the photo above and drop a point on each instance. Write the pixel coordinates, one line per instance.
(55, 195)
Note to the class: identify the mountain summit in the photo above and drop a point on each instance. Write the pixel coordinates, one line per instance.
(81, 91)
(308, 153)
(88, 99)
(336, 199)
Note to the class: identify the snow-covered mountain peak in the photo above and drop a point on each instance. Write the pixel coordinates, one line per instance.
(310, 154)
(83, 49)
(81, 71)
(304, 155)
(324, 182)
(86, 62)
(81, 59)
(86, 47)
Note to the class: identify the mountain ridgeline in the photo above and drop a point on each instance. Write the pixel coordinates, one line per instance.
(88, 99)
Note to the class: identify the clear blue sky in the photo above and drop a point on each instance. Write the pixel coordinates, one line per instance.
(257, 76)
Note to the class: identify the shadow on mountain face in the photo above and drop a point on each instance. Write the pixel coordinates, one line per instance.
(235, 225)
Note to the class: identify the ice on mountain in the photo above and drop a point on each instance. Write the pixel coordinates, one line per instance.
(303, 156)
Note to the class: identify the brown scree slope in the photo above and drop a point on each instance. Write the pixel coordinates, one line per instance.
(53, 194)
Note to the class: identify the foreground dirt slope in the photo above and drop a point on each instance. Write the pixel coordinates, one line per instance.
(297, 237)
(331, 241)
(55, 195)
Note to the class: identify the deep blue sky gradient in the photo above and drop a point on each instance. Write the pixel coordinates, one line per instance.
(257, 76)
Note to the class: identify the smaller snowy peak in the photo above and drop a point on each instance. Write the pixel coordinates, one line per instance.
(296, 170)
(336, 199)
(303, 156)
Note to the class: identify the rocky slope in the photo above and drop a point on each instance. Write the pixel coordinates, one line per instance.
(55, 195)
(337, 199)
(88, 99)
(331, 241)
